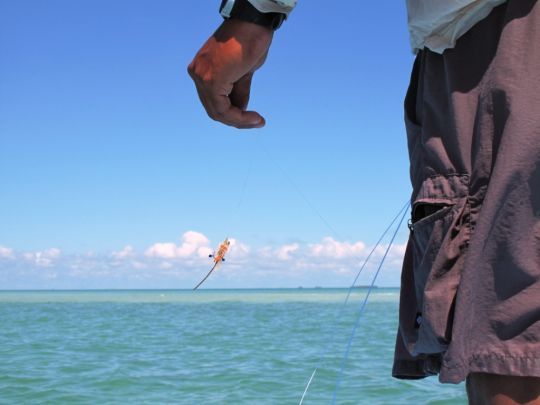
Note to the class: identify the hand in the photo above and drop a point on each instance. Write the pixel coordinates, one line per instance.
(223, 68)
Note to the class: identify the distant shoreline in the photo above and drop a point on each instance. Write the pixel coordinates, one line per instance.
(189, 289)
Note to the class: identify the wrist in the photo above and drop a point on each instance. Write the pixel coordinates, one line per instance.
(251, 36)
(243, 10)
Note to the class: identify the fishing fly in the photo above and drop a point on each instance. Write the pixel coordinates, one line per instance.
(218, 257)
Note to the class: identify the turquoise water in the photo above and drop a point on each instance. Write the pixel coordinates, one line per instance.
(203, 347)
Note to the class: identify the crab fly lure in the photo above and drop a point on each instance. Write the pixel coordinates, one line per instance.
(218, 257)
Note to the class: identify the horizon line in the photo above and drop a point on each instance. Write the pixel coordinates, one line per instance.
(191, 289)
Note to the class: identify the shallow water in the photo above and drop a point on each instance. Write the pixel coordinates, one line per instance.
(203, 347)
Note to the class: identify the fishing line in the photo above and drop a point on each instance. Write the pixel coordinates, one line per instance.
(236, 208)
(299, 191)
(402, 212)
(362, 307)
(349, 292)
(231, 221)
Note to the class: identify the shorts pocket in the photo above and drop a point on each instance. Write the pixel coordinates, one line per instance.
(439, 235)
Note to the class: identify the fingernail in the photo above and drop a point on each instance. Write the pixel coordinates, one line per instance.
(258, 123)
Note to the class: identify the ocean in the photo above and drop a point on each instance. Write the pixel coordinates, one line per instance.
(203, 347)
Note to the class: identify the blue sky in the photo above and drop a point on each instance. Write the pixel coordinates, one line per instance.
(106, 153)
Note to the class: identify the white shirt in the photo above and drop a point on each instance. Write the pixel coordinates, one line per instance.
(437, 24)
(274, 6)
(433, 24)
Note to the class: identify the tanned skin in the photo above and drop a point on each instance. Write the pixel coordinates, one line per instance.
(223, 68)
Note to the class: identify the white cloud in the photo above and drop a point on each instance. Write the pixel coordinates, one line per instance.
(165, 250)
(6, 253)
(138, 265)
(45, 258)
(331, 248)
(126, 252)
(165, 265)
(281, 253)
(285, 251)
(194, 244)
(237, 250)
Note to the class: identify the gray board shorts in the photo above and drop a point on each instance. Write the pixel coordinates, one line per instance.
(470, 284)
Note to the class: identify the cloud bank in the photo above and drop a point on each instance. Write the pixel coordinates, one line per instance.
(328, 263)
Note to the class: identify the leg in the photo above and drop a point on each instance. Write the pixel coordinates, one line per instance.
(492, 389)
